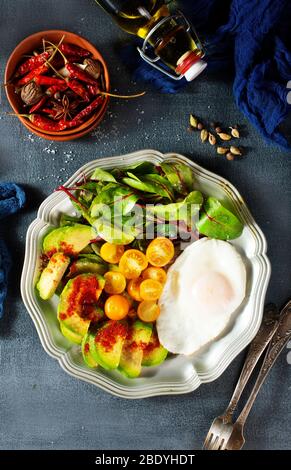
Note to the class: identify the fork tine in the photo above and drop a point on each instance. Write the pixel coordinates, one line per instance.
(216, 443)
(207, 441)
(223, 444)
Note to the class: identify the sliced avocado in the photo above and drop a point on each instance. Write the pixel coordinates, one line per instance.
(66, 220)
(106, 346)
(70, 335)
(132, 352)
(78, 302)
(87, 356)
(69, 240)
(52, 275)
(83, 265)
(154, 354)
(87, 250)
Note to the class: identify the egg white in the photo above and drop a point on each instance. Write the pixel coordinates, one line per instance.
(204, 286)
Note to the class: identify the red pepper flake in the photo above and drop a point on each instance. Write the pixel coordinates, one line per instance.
(154, 343)
(67, 249)
(62, 316)
(44, 259)
(49, 253)
(83, 297)
(108, 336)
(86, 348)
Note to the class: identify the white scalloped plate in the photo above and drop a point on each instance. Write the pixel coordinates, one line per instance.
(178, 374)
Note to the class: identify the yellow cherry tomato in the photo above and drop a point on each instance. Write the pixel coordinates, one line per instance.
(111, 253)
(157, 274)
(160, 251)
(133, 288)
(148, 311)
(150, 289)
(116, 307)
(115, 282)
(132, 263)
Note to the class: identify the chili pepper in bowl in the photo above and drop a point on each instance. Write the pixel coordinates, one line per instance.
(94, 90)
(32, 63)
(72, 50)
(38, 105)
(48, 81)
(46, 124)
(86, 112)
(79, 89)
(55, 88)
(42, 69)
(79, 74)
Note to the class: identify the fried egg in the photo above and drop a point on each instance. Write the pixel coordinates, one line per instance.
(204, 287)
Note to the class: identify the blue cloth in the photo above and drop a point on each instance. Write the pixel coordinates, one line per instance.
(251, 37)
(12, 198)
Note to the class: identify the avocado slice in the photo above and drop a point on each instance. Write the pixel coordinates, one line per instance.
(66, 220)
(87, 356)
(78, 302)
(132, 352)
(154, 354)
(70, 335)
(52, 275)
(69, 240)
(106, 346)
(83, 265)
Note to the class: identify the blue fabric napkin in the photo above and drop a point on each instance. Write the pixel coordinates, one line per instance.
(254, 38)
(12, 198)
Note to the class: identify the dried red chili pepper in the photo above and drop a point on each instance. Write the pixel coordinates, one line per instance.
(79, 89)
(32, 63)
(94, 90)
(85, 112)
(49, 111)
(38, 105)
(46, 124)
(79, 74)
(54, 88)
(71, 49)
(42, 69)
(48, 81)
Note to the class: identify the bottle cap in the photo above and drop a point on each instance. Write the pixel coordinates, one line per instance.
(190, 65)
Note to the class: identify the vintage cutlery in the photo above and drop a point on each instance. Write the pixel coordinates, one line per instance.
(223, 434)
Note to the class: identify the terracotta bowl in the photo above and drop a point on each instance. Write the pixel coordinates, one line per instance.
(26, 47)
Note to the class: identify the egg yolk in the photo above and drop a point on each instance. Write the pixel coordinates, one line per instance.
(213, 291)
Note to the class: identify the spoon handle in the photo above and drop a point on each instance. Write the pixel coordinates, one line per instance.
(256, 349)
(278, 342)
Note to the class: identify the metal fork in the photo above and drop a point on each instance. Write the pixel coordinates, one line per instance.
(223, 434)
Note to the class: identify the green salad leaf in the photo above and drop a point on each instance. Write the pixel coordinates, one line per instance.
(121, 234)
(165, 190)
(120, 199)
(102, 175)
(179, 175)
(179, 210)
(143, 168)
(151, 183)
(218, 222)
